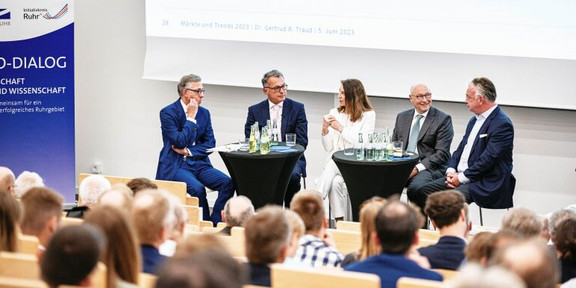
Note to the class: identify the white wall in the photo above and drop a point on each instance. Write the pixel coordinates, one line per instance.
(117, 120)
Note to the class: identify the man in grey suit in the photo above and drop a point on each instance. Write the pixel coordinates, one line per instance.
(427, 131)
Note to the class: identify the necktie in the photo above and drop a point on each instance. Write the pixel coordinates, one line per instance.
(414, 134)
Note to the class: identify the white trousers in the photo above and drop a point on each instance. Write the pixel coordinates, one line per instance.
(334, 191)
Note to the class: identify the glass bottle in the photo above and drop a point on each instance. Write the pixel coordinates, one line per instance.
(252, 146)
(265, 141)
(359, 147)
(368, 148)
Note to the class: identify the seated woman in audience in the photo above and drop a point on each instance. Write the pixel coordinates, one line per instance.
(121, 255)
(340, 129)
(368, 213)
(565, 242)
(10, 215)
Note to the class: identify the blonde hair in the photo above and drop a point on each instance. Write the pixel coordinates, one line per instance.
(151, 213)
(10, 214)
(368, 213)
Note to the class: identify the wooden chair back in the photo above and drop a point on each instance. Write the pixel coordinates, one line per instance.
(426, 242)
(211, 230)
(346, 241)
(447, 274)
(194, 214)
(146, 280)
(13, 282)
(348, 226)
(204, 223)
(192, 201)
(19, 265)
(65, 221)
(407, 282)
(236, 242)
(289, 277)
(428, 234)
(28, 244)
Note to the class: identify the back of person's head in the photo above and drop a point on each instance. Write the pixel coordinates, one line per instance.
(10, 215)
(203, 269)
(267, 236)
(368, 213)
(557, 217)
(41, 207)
(309, 206)
(476, 249)
(121, 255)
(153, 216)
(25, 181)
(532, 260)
(500, 240)
(71, 255)
(119, 196)
(180, 218)
(199, 242)
(297, 230)
(7, 180)
(473, 275)
(446, 207)
(522, 221)
(565, 239)
(91, 188)
(397, 224)
(238, 210)
(139, 184)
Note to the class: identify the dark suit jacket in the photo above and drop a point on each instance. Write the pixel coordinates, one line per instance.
(293, 121)
(490, 163)
(448, 253)
(177, 131)
(434, 139)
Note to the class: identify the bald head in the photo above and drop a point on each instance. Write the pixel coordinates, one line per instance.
(7, 180)
(238, 210)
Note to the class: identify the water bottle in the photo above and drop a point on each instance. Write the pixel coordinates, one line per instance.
(368, 149)
(389, 146)
(265, 141)
(252, 146)
(376, 146)
(359, 148)
(275, 138)
(257, 130)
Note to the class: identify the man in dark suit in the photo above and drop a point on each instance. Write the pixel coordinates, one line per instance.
(481, 167)
(449, 213)
(187, 135)
(290, 116)
(432, 135)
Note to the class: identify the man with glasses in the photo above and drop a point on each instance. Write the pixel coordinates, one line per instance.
(427, 131)
(290, 118)
(481, 166)
(187, 135)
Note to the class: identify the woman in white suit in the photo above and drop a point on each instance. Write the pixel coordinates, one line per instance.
(340, 129)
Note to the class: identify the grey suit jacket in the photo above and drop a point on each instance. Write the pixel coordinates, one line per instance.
(434, 139)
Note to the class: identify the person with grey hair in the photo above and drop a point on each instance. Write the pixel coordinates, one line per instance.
(481, 166)
(91, 188)
(290, 117)
(236, 212)
(25, 181)
(187, 135)
(523, 221)
(7, 180)
(473, 275)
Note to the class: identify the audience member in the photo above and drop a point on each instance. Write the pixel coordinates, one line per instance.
(42, 210)
(448, 212)
(236, 212)
(476, 250)
(10, 215)
(119, 196)
(121, 254)
(72, 255)
(531, 260)
(317, 245)
(290, 118)
(298, 229)
(432, 137)
(369, 247)
(558, 216)
(267, 241)
(177, 232)
(498, 241)
(90, 190)
(340, 129)
(139, 184)
(565, 243)
(7, 180)
(481, 166)
(476, 276)
(187, 135)
(397, 227)
(523, 221)
(153, 217)
(25, 181)
(203, 269)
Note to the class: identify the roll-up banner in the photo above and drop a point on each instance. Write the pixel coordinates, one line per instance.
(37, 90)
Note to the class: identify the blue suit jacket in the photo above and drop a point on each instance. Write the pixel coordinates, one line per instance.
(177, 131)
(293, 121)
(490, 163)
(448, 253)
(391, 267)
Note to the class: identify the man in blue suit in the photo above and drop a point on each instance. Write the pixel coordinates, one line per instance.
(187, 135)
(290, 116)
(449, 213)
(481, 167)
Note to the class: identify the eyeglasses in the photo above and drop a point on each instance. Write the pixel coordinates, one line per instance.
(198, 91)
(279, 88)
(422, 96)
